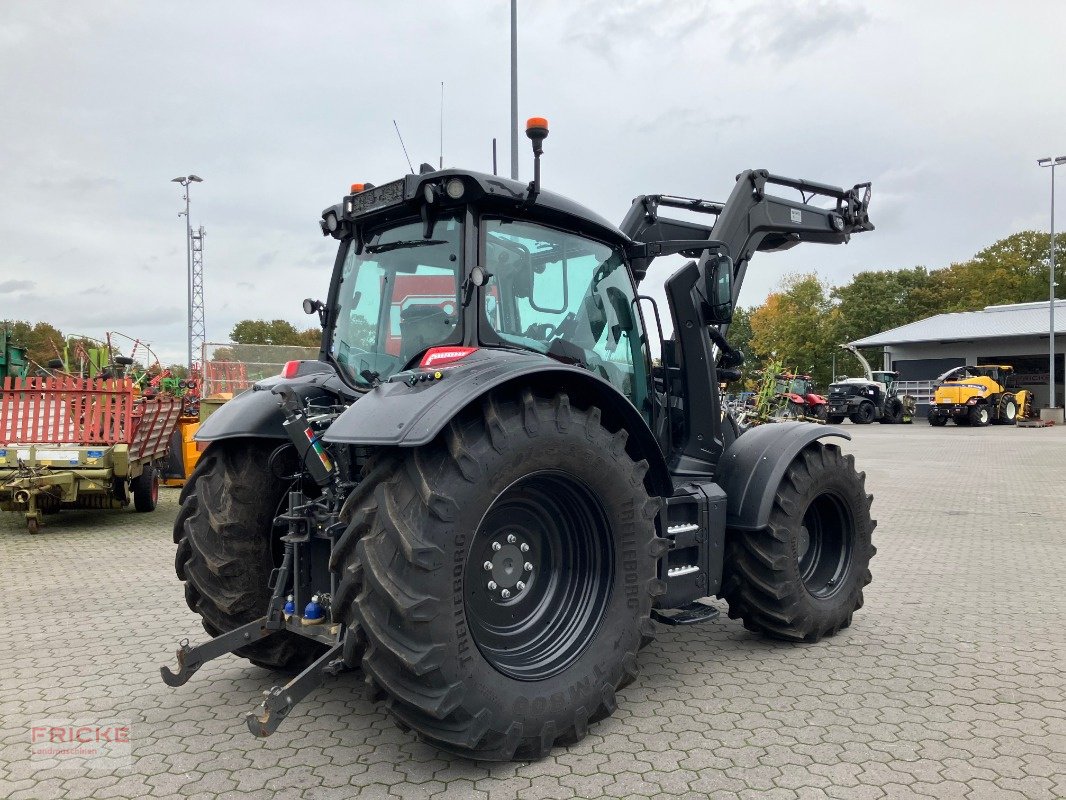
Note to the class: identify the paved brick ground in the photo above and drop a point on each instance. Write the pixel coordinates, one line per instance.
(949, 685)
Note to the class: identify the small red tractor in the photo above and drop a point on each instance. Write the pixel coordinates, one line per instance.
(799, 398)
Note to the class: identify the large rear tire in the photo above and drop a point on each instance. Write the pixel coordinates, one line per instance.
(893, 413)
(224, 533)
(801, 577)
(525, 489)
(980, 415)
(864, 414)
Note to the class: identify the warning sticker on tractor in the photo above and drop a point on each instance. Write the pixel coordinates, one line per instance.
(797, 216)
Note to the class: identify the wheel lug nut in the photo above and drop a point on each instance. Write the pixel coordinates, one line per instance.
(528, 567)
(511, 538)
(525, 547)
(520, 586)
(496, 546)
(492, 586)
(505, 594)
(487, 565)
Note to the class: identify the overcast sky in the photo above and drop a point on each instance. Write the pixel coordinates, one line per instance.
(279, 106)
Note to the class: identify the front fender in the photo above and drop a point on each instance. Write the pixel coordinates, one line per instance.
(753, 466)
(402, 414)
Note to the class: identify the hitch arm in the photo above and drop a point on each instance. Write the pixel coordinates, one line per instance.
(190, 659)
(280, 700)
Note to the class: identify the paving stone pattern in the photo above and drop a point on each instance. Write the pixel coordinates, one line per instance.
(950, 684)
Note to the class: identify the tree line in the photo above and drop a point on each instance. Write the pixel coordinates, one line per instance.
(804, 320)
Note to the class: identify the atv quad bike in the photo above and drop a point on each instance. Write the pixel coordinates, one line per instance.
(483, 496)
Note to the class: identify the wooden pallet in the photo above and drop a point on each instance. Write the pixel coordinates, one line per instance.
(1035, 423)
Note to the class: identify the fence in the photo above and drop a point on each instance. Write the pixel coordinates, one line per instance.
(232, 368)
(83, 412)
(921, 391)
(66, 410)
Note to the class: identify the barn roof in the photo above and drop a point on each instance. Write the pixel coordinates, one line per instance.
(991, 322)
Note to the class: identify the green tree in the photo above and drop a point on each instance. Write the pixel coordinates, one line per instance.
(261, 331)
(740, 332)
(41, 340)
(793, 327)
(872, 302)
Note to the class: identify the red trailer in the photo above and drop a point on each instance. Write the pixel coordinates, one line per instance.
(69, 442)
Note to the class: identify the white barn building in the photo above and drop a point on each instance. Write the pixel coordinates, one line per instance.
(1012, 334)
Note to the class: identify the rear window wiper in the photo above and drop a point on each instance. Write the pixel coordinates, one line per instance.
(385, 247)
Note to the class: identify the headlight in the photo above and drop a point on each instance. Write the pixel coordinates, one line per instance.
(429, 191)
(454, 188)
(331, 222)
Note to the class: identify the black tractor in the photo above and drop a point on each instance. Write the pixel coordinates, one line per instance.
(485, 494)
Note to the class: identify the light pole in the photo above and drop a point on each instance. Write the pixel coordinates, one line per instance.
(1052, 162)
(185, 181)
(514, 90)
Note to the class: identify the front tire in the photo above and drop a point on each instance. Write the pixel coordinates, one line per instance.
(1007, 411)
(835, 419)
(937, 420)
(226, 549)
(524, 489)
(801, 577)
(820, 412)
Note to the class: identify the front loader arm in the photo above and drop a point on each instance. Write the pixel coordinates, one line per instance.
(748, 222)
(752, 220)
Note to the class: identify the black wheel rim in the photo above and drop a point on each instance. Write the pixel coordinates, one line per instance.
(538, 575)
(825, 545)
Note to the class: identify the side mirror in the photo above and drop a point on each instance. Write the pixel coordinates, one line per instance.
(719, 290)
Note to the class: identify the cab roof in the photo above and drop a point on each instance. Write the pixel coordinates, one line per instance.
(491, 192)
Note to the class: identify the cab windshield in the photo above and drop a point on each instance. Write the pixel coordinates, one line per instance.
(398, 296)
(568, 297)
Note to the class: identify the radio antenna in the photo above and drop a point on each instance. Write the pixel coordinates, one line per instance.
(442, 124)
(400, 137)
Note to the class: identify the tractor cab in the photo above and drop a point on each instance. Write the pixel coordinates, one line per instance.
(470, 270)
(886, 380)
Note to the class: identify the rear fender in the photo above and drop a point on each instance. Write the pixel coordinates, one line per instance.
(405, 413)
(753, 466)
(256, 412)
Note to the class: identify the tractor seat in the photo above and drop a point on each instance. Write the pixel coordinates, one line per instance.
(421, 327)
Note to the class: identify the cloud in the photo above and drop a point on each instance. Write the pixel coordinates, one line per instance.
(607, 29)
(788, 29)
(16, 286)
